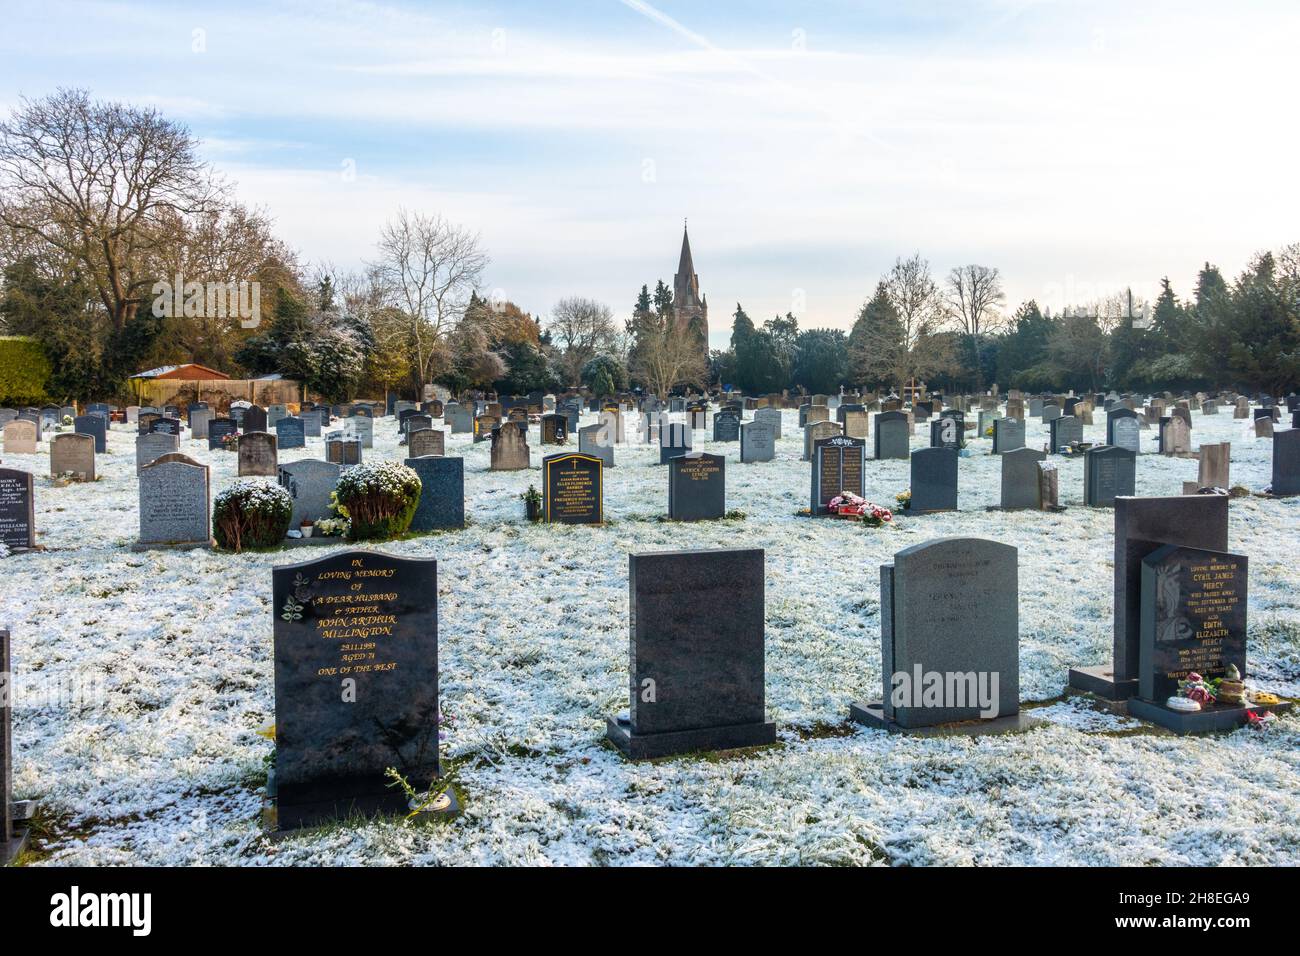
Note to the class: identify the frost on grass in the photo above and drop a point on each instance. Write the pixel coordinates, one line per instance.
(144, 678)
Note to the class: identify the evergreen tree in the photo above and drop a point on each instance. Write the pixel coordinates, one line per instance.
(875, 340)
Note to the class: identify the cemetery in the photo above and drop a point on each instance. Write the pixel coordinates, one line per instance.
(384, 484)
(689, 633)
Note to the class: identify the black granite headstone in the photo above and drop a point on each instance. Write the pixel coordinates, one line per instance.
(573, 489)
(838, 464)
(696, 654)
(17, 509)
(1109, 472)
(934, 480)
(356, 684)
(13, 838)
(1141, 526)
(697, 487)
(219, 428)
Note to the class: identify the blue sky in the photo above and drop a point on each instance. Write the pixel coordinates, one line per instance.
(1079, 147)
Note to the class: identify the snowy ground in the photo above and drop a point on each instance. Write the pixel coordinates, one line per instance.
(161, 762)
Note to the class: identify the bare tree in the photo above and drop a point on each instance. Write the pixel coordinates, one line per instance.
(663, 357)
(93, 181)
(919, 306)
(975, 298)
(581, 329)
(432, 266)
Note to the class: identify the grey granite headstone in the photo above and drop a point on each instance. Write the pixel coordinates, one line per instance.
(757, 441)
(152, 446)
(1020, 478)
(1008, 435)
(174, 502)
(696, 654)
(362, 428)
(949, 611)
(1064, 432)
(199, 419)
(934, 480)
(460, 420)
(770, 416)
(442, 492)
(1141, 526)
(309, 482)
(595, 440)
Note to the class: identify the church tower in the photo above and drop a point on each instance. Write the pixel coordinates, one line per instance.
(690, 308)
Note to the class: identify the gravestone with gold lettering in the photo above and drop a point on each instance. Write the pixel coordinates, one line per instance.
(837, 465)
(1193, 625)
(356, 688)
(573, 489)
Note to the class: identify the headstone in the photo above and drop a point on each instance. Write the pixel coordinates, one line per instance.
(17, 509)
(199, 418)
(255, 419)
(362, 428)
(726, 427)
(770, 416)
(290, 432)
(814, 432)
(218, 429)
(311, 423)
(426, 441)
(149, 448)
(94, 426)
(573, 491)
(838, 465)
(1214, 466)
(258, 454)
(697, 487)
(1108, 472)
(170, 425)
(1123, 429)
(415, 422)
(174, 502)
(442, 492)
(555, 429)
(893, 435)
(510, 450)
(356, 685)
(946, 432)
(1020, 478)
(1065, 432)
(1193, 617)
(309, 482)
(950, 635)
(1141, 526)
(1008, 435)
(1286, 463)
(20, 437)
(343, 449)
(696, 654)
(274, 413)
(757, 441)
(674, 440)
(596, 441)
(73, 454)
(934, 480)
(458, 418)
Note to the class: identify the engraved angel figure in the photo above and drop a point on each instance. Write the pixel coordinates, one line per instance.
(1170, 626)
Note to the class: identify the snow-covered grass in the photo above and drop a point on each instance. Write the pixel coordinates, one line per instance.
(161, 762)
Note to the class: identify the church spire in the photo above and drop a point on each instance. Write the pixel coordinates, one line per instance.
(685, 267)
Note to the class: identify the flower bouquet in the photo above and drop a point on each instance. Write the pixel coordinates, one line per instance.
(904, 499)
(847, 505)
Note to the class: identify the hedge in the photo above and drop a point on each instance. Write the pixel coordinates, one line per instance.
(24, 371)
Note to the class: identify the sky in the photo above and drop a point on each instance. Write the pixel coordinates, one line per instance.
(1081, 148)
